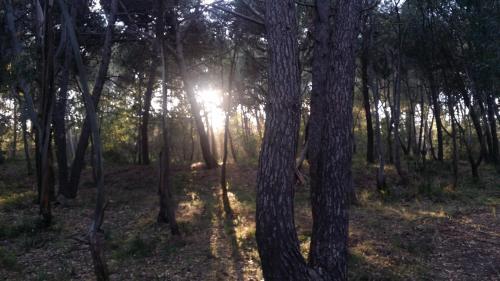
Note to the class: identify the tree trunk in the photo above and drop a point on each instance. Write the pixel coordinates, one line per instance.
(366, 96)
(493, 128)
(167, 208)
(96, 235)
(59, 124)
(378, 136)
(83, 141)
(330, 200)
(14, 131)
(47, 107)
(437, 114)
(233, 150)
(277, 239)
(27, 157)
(145, 113)
(195, 107)
(223, 181)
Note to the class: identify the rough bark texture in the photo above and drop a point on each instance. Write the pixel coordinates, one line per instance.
(277, 239)
(330, 199)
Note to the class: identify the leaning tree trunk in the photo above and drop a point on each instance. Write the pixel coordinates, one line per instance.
(277, 239)
(83, 142)
(195, 107)
(96, 235)
(330, 200)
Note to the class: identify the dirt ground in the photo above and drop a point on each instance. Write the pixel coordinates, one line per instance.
(404, 235)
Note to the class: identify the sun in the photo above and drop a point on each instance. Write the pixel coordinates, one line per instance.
(210, 101)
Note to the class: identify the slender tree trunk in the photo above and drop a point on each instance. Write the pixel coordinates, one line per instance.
(14, 130)
(223, 181)
(437, 114)
(378, 136)
(145, 113)
(28, 98)
(366, 96)
(167, 208)
(451, 111)
(60, 124)
(27, 157)
(83, 141)
(233, 150)
(47, 107)
(191, 133)
(493, 128)
(195, 107)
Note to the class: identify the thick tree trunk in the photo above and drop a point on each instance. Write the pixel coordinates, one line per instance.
(83, 141)
(330, 200)
(145, 113)
(277, 239)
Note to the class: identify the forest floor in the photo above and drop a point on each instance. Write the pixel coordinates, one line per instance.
(422, 231)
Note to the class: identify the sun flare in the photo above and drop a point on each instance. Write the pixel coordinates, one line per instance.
(210, 101)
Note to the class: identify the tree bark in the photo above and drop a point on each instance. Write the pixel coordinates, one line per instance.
(436, 107)
(46, 109)
(60, 124)
(277, 239)
(330, 199)
(145, 113)
(83, 141)
(223, 181)
(167, 208)
(493, 128)
(366, 96)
